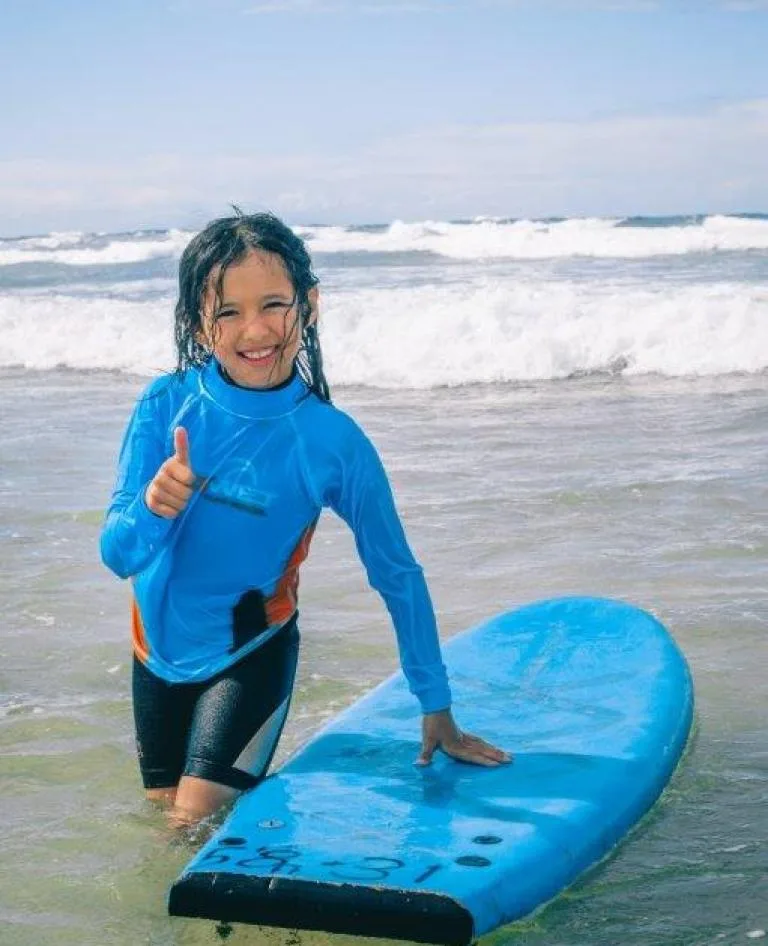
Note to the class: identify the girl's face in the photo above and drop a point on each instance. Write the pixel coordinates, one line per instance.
(254, 328)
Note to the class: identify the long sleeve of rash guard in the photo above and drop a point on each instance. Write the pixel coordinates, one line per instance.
(364, 501)
(132, 534)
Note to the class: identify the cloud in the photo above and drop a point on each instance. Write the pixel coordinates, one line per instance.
(618, 164)
(708, 161)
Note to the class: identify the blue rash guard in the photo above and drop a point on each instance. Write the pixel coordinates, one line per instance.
(220, 579)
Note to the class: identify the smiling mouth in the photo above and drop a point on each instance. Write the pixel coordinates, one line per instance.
(260, 356)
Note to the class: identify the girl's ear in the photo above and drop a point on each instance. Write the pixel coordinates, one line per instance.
(313, 298)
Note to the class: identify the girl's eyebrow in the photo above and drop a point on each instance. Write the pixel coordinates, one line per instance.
(279, 296)
(284, 298)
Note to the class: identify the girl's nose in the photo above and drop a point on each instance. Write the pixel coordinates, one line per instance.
(256, 327)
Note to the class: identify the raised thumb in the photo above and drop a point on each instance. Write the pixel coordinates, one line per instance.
(181, 445)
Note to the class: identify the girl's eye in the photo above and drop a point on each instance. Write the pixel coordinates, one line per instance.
(278, 305)
(223, 313)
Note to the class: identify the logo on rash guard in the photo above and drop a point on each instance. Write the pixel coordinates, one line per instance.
(238, 495)
(237, 483)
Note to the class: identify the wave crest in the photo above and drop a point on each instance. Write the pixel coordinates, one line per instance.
(437, 335)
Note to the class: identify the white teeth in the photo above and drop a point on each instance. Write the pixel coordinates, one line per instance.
(256, 355)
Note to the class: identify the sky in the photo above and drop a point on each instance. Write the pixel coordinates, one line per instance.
(161, 113)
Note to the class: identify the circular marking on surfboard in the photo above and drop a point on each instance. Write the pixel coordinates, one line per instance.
(271, 823)
(471, 860)
(232, 842)
(487, 839)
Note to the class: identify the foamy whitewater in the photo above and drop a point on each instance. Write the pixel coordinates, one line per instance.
(564, 407)
(427, 304)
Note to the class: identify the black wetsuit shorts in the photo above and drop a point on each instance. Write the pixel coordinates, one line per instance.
(224, 729)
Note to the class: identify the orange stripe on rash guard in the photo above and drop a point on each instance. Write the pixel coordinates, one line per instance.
(281, 605)
(137, 633)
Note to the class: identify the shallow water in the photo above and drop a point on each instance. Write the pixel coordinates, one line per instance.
(649, 490)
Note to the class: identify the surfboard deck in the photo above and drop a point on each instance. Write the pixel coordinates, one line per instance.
(594, 699)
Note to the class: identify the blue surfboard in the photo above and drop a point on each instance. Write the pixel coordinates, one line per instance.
(594, 699)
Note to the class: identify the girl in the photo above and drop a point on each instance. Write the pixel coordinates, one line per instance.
(223, 472)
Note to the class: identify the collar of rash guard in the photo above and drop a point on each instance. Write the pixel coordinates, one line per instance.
(255, 403)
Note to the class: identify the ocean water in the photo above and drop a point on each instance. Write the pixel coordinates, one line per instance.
(564, 406)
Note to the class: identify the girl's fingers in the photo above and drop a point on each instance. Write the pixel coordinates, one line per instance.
(487, 749)
(428, 747)
(160, 504)
(171, 487)
(164, 498)
(169, 492)
(479, 758)
(178, 471)
(440, 729)
(466, 753)
(174, 497)
(486, 746)
(476, 751)
(167, 512)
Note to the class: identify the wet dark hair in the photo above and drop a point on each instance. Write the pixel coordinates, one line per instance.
(229, 240)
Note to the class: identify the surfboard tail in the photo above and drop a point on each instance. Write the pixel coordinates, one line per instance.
(289, 903)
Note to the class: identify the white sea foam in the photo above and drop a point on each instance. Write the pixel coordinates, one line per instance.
(47, 331)
(435, 335)
(530, 239)
(63, 249)
(431, 336)
(52, 241)
(484, 238)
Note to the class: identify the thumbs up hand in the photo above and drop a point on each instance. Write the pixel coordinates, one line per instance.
(172, 486)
